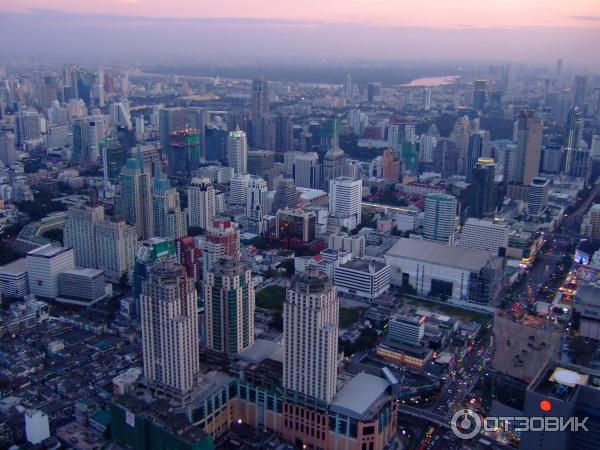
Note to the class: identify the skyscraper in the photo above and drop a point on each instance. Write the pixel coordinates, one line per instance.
(257, 202)
(537, 196)
(261, 114)
(574, 128)
(311, 317)
(229, 306)
(169, 313)
(8, 153)
(392, 166)
(579, 90)
(345, 199)
(304, 168)
(334, 163)
(441, 221)
(171, 120)
(168, 218)
(134, 201)
(483, 190)
(479, 94)
(529, 145)
(201, 203)
(237, 151)
(479, 143)
(222, 239)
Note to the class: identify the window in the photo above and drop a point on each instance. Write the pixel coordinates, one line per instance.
(368, 431)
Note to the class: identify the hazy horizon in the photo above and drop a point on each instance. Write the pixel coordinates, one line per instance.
(68, 34)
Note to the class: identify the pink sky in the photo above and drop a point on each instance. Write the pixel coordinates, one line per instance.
(430, 13)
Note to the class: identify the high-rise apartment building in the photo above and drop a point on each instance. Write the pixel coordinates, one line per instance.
(168, 218)
(238, 190)
(311, 317)
(345, 199)
(222, 239)
(391, 166)
(441, 219)
(134, 201)
(201, 203)
(237, 151)
(8, 153)
(169, 317)
(229, 307)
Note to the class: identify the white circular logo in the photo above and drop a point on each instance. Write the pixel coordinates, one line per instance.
(465, 423)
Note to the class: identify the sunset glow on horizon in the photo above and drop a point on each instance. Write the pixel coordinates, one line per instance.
(425, 13)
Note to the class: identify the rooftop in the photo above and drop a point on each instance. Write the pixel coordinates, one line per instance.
(364, 265)
(15, 267)
(48, 251)
(263, 349)
(359, 394)
(440, 254)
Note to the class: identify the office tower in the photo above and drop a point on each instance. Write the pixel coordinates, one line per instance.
(373, 92)
(57, 115)
(119, 116)
(595, 147)
(148, 253)
(259, 162)
(98, 88)
(427, 145)
(391, 167)
(229, 307)
(296, 223)
(284, 136)
(238, 190)
(134, 201)
(577, 161)
(345, 199)
(8, 153)
(44, 265)
(216, 144)
(182, 138)
(201, 203)
(304, 168)
(410, 133)
(479, 144)
(461, 133)
(260, 113)
(334, 163)
(479, 94)
(427, 98)
(76, 108)
(139, 128)
(49, 92)
(537, 196)
(183, 153)
(552, 158)
(574, 128)
(169, 220)
(237, 151)
(483, 189)
(394, 139)
(348, 87)
(286, 195)
(529, 143)
(579, 91)
(169, 317)
(257, 201)
(222, 239)
(408, 328)
(441, 221)
(310, 332)
(113, 159)
(28, 125)
(484, 235)
(87, 134)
